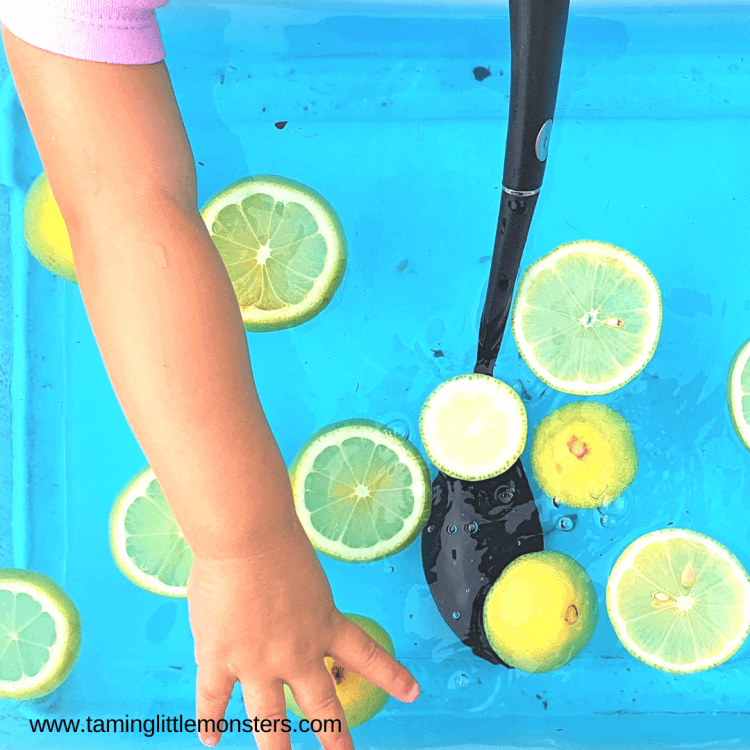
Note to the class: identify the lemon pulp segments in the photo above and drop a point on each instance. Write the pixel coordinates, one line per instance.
(738, 393)
(473, 427)
(587, 317)
(283, 246)
(146, 541)
(679, 601)
(40, 634)
(361, 492)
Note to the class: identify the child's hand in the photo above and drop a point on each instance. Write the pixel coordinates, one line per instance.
(269, 618)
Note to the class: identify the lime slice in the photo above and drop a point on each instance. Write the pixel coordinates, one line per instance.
(679, 601)
(361, 492)
(40, 634)
(45, 231)
(284, 248)
(146, 541)
(587, 317)
(738, 393)
(473, 427)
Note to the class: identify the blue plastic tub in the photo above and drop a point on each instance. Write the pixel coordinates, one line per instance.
(388, 119)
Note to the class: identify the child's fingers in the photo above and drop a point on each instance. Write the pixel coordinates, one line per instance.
(355, 650)
(316, 696)
(266, 709)
(214, 688)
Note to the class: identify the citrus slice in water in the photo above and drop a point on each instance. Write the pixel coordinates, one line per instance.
(679, 601)
(473, 427)
(738, 393)
(284, 248)
(584, 455)
(587, 317)
(361, 492)
(146, 541)
(45, 232)
(40, 634)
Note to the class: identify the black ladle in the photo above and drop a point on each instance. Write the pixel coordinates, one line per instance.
(477, 528)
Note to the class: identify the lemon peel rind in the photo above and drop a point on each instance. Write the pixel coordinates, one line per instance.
(580, 579)
(621, 434)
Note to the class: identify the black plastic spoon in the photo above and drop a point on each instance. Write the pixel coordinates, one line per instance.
(477, 528)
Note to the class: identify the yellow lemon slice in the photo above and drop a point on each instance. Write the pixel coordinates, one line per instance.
(679, 601)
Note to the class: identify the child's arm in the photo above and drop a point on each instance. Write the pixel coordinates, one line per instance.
(168, 325)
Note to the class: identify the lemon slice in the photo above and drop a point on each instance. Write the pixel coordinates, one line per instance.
(473, 427)
(40, 634)
(146, 541)
(679, 601)
(361, 492)
(45, 232)
(284, 248)
(738, 393)
(584, 455)
(587, 317)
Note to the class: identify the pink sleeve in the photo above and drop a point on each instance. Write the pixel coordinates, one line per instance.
(111, 31)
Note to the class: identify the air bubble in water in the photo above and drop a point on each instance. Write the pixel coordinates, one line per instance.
(399, 427)
(608, 522)
(597, 490)
(452, 529)
(566, 523)
(456, 615)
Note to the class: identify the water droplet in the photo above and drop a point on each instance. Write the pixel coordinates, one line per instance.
(390, 569)
(430, 529)
(555, 502)
(597, 490)
(462, 680)
(456, 615)
(468, 590)
(566, 523)
(399, 427)
(608, 522)
(471, 527)
(452, 529)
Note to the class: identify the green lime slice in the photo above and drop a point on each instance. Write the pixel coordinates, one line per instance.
(473, 427)
(284, 248)
(587, 317)
(146, 541)
(40, 634)
(738, 393)
(361, 492)
(679, 601)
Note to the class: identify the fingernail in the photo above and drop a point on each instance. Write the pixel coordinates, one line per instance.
(209, 741)
(413, 693)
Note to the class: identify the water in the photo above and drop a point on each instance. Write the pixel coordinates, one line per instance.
(387, 118)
